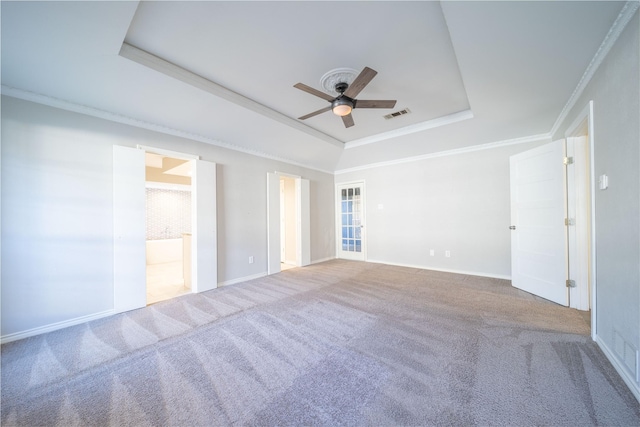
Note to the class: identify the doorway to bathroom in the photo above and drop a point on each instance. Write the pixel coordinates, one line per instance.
(129, 225)
(168, 200)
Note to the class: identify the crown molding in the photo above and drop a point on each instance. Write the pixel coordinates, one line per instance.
(119, 118)
(407, 130)
(169, 69)
(463, 150)
(624, 17)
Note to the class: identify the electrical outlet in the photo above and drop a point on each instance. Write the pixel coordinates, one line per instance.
(447, 254)
(432, 252)
(250, 260)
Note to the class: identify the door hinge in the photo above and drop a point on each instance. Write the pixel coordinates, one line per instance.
(568, 160)
(571, 283)
(569, 221)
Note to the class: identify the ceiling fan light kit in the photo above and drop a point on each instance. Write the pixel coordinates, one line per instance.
(345, 102)
(342, 107)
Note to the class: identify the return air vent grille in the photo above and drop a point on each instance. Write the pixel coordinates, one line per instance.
(397, 114)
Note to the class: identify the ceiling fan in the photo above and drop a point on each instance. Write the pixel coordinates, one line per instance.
(345, 101)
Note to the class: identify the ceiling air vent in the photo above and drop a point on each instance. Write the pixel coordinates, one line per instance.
(397, 114)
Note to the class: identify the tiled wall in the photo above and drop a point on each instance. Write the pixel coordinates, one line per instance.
(168, 213)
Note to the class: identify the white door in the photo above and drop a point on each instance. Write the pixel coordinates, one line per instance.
(350, 238)
(204, 227)
(274, 246)
(538, 235)
(303, 224)
(283, 225)
(129, 219)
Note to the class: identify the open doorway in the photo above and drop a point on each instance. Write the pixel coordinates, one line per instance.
(129, 208)
(168, 199)
(288, 220)
(288, 223)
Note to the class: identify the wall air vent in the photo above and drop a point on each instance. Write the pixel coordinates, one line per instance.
(397, 114)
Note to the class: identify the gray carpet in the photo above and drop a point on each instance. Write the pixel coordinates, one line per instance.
(337, 343)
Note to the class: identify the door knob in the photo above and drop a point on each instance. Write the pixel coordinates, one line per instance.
(512, 227)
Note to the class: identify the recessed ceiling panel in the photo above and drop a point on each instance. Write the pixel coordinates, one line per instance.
(261, 49)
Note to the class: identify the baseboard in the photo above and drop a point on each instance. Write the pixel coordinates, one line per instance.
(259, 275)
(318, 261)
(424, 267)
(242, 279)
(55, 326)
(624, 374)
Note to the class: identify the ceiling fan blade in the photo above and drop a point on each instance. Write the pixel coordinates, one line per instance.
(348, 120)
(360, 82)
(375, 103)
(315, 113)
(313, 91)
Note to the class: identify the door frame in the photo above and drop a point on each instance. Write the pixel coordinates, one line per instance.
(283, 224)
(204, 231)
(129, 237)
(303, 221)
(338, 216)
(581, 124)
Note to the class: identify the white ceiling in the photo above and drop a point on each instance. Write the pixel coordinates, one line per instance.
(223, 72)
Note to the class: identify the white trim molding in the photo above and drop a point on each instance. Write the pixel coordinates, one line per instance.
(169, 153)
(470, 149)
(55, 326)
(624, 17)
(321, 260)
(169, 69)
(464, 272)
(620, 369)
(242, 279)
(119, 118)
(418, 127)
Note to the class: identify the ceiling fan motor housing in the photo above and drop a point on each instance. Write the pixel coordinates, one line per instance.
(342, 99)
(341, 87)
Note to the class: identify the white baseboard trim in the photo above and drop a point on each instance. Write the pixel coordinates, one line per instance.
(425, 267)
(264, 273)
(626, 376)
(242, 279)
(55, 326)
(318, 261)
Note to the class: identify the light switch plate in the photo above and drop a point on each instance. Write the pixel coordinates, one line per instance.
(603, 182)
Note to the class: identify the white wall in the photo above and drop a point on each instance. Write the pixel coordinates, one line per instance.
(458, 203)
(57, 226)
(615, 91)
(57, 229)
